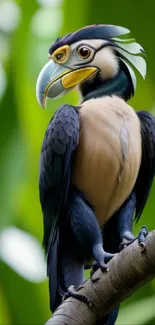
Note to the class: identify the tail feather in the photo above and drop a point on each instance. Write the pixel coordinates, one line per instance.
(52, 273)
(65, 268)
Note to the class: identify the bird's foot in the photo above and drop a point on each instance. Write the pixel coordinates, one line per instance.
(73, 292)
(95, 267)
(129, 238)
(101, 259)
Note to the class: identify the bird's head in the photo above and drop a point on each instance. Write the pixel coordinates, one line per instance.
(91, 58)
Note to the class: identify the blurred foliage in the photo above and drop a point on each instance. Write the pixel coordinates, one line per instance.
(23, 123)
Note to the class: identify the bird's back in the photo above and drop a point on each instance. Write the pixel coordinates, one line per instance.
(108, 157)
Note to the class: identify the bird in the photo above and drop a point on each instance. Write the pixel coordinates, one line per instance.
(97, 159)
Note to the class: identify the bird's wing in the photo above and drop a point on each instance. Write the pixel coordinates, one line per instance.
(60, 142)
(147, 168)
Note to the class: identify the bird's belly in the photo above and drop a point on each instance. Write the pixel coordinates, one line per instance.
(108, 157)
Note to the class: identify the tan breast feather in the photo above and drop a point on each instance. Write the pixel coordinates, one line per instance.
(108, 157)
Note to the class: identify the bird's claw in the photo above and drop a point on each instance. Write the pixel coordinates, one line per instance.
(142, 237)
(128, 239)
(73, 292)
(95, 267)
(102, 264)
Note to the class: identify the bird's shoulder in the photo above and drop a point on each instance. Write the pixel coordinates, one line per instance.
(63, 126)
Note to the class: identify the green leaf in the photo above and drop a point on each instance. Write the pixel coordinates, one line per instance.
(139, 313)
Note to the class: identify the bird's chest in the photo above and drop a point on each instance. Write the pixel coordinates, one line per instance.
(108, 156)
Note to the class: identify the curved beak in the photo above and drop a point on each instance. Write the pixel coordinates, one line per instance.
(55, 79)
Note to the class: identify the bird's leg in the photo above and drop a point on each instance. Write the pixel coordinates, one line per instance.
(86, 231)
(126, 214)
(125, 221)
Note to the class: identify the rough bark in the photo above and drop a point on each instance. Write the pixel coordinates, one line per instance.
(128, 271)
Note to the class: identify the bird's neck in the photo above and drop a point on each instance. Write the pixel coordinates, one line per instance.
(120, 85)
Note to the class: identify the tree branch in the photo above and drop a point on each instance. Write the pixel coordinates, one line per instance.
(128, 271)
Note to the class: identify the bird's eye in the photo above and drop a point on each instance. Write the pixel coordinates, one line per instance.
(61, 54)
(84, 52)
(60, 57)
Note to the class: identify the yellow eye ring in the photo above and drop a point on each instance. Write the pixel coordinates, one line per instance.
(61, 54)
(84, 52)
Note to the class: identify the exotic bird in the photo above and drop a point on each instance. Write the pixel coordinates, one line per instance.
(97, 159)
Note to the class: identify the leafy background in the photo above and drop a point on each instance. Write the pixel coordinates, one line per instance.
(27, 29)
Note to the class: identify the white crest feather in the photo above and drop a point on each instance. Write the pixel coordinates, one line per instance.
(137, 61)
(130, 53)
(133, 48)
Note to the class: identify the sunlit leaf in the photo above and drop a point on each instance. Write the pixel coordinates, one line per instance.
(23, 253)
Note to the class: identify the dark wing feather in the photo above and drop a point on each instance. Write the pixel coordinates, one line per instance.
(147, 169)
(60, 142)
